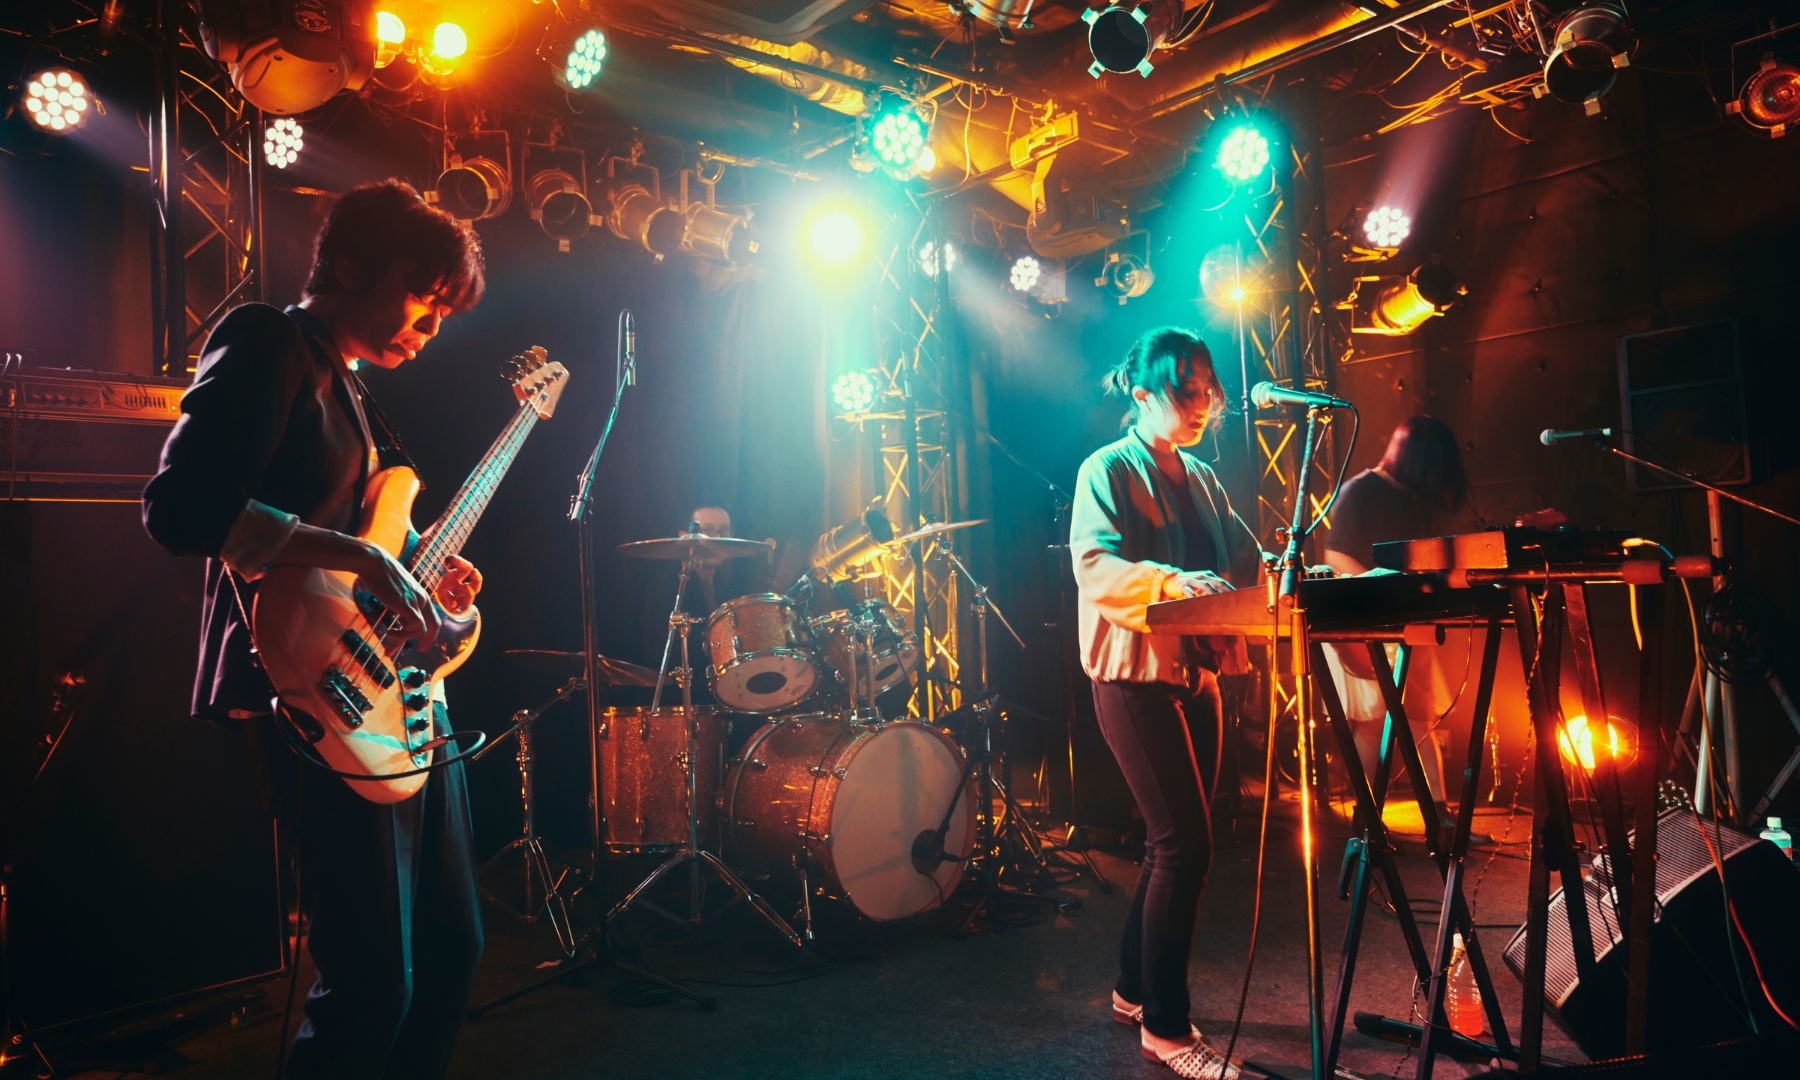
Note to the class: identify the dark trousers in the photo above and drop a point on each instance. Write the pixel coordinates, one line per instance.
(396, 928)
(1167, 742)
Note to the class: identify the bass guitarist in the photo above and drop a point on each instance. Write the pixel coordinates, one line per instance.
(266, 467)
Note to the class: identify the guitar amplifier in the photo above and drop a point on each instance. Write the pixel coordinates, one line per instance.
(68, 435)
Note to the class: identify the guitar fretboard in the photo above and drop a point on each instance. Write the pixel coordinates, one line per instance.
(451, 530)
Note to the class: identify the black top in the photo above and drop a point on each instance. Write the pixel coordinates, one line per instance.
(1197, 546)
(271, 416)
(1371, 511)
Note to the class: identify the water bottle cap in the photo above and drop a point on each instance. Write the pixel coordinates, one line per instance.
(1774, 823)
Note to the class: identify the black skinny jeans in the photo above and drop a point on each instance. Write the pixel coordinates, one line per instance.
(1167, 743)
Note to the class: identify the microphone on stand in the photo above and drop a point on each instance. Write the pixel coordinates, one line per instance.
(630, 348)
(1551, 436)
(1266, 395)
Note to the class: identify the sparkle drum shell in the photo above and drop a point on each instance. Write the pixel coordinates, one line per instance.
(854, 798)
(762, 657)
(643, 776)
(881, 643)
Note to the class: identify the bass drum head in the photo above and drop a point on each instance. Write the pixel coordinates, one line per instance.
(897, 784)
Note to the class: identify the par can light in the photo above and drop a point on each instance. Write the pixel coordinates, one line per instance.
(1243, 155)
(927, 257)
(1770, 101)
(473, 189)
(57, 100)
(390, 38)
(1386, 226)
(1025, 273)
(554, 200)
(281, 142)
(853, 391)
(586, 57)
(897, 136)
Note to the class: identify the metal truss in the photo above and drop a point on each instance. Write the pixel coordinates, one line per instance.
(206, 169)
(914, 448)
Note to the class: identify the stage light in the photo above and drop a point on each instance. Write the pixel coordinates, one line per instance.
(1592, 43)
(449, 41)
(1400, 305)
(1386, 226)
(473, 189)
(1228, 277)
(57, 100)
(289, 58)
(1770, 100)
(1122, 37)
(927, 257)
(854, 391)
(1125, 276)
(927, 161)
(282, 143)
(1243, 155)
(586, 57)
(711, 233)
(836, 237)
(1237, 293)
(1583, 745)
(640, 216)
(897, 135)
(390, 38)
(1025, 273)
(554, 200)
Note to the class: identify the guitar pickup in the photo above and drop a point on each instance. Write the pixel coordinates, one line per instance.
(367, 658)
(344, 696)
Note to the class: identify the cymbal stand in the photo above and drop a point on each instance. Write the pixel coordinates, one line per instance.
(692, 856)
(543, 890)
(983, 604)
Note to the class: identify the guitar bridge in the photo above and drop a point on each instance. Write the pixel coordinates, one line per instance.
(344, 697)
(367, 658)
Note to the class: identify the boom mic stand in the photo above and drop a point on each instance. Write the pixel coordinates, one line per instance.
(595, 942)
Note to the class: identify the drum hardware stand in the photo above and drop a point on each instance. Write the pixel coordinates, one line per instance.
(983, 604)
(543, 890)
(692, 855)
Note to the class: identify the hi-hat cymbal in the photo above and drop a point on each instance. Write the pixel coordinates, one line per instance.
(934, 529)
(704, 548)
(554, 662)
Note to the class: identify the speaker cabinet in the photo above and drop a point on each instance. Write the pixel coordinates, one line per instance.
(1682, 400)
(141, 866)
(1694, 995)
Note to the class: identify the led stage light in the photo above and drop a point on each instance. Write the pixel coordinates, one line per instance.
(282, 143)
(1243, 155)
(1386, 226)
(897, 136)
(836, 237)
(1025, 273)
(853, 391)
(57, 100)
(927, 257)
(585, 59)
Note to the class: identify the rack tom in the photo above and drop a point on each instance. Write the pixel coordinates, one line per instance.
(762, 655)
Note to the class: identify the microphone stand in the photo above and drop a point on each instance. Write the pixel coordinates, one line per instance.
(595, 942)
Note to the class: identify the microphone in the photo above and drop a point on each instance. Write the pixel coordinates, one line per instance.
(1551, 436)
(630, 348)
(1266, 395)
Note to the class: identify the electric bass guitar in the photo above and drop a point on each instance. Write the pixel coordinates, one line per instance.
(362, 698)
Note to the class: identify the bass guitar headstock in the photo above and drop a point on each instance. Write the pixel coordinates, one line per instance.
(536, 379)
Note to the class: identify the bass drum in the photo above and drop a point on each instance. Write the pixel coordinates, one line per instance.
(853, 798)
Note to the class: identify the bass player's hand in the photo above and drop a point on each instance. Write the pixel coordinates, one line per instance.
(417, 619)
(456, 593)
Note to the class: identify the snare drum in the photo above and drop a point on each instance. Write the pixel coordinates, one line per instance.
(762, 657)
(643, 773)
(855, 799)
(869, 638)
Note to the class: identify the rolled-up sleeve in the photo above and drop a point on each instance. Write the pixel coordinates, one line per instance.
(232, 421)
(1118, 589)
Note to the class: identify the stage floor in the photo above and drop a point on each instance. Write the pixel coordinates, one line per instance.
(1025, 1001)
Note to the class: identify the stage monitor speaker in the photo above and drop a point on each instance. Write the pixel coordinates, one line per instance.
(1682, 399)
(1694, 995)
(141, 866)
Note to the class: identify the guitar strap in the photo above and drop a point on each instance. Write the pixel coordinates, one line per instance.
(388, 447)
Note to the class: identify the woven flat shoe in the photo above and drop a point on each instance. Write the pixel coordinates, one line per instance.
(1196, 1061)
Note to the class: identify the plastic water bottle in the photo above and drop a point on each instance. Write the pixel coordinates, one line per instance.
(1462, 1001)
(1778, 836)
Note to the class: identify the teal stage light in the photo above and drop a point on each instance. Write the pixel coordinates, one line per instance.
(586, 57)
(897, 135)
(1243, 155)
(853, 392)
(1025, 273)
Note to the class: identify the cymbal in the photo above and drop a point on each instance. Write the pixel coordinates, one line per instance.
(936, 528)
(554, 662)
(704, 548)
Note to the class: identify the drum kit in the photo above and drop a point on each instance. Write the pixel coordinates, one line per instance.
(827, 797)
